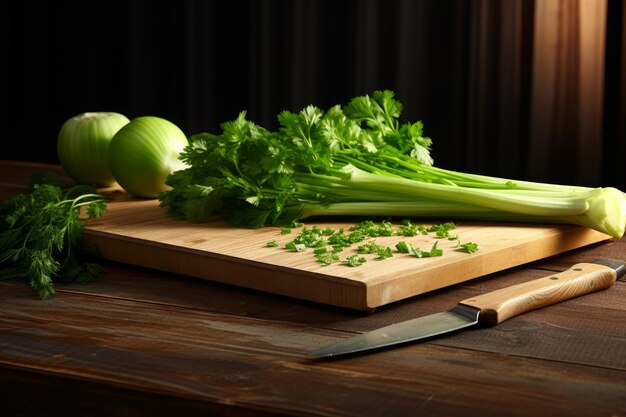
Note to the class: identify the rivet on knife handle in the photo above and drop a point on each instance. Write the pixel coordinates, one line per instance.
(583, 278)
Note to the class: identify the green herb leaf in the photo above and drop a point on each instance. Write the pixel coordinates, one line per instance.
(403, 247)
(434, 251)
(354, 260)
(469, 247)
(41, 230)
(327, 258)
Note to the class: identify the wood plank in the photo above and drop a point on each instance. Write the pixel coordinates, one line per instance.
(137, 284)
(254, 364)
(139, 232)
(596, 319)
(41, 395)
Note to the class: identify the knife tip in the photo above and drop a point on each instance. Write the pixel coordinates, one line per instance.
(315, 355)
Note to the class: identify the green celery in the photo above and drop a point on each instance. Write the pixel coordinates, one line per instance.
(360, 160)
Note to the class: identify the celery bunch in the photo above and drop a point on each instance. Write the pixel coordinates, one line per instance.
(358, 159)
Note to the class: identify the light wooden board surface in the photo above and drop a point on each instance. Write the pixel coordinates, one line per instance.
(141, 233)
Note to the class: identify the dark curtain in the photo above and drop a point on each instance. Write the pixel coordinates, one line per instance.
(462, 67)
(614, 122)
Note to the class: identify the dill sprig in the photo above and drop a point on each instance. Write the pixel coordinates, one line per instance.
(40, 232)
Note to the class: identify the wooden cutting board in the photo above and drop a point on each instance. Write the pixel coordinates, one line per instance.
(139, 232)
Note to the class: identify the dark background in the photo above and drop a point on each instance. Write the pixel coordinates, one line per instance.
(199, 63)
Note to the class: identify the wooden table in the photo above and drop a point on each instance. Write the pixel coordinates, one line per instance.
(139, 342)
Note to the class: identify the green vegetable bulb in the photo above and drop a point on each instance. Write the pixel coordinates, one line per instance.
(83, 146)
(144, 152)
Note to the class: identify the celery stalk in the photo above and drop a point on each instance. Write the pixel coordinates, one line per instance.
(359, 160)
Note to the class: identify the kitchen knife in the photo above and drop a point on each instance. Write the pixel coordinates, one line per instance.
(486, 309)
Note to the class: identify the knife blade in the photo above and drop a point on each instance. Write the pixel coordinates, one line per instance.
(487, 309)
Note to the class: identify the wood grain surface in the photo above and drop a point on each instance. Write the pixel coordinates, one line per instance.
(581, 279)
(143, 342)
(139, 232)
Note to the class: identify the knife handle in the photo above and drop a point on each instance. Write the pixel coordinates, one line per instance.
(582, 278)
